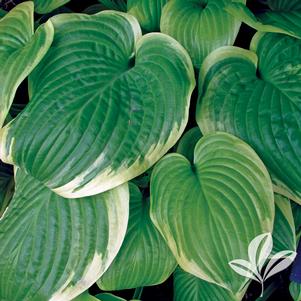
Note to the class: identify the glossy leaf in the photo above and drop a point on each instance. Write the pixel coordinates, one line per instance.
(190, 288)
(224, 198)
(284, 18)
(119, 115)
(6, 186)
(20, 51)
(54, 248)
(47, 6)
(284, 232)
(187, 143)
(148, 13)
(257, 98)
(144, 258)
(200, 25)
(295, 290)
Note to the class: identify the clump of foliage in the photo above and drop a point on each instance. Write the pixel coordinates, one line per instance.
(149, 147)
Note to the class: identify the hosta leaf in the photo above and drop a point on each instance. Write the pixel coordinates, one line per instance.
(296, 208)
(2, 13)
(109, 297)
(190, 288)
(47, 6)
(144, 258)
(187, 143)
(200, 26)
(284, 19)
(85, 297)
(115, 4)
(20, 51)
(148, 13)
(295, 290)
(209, 211)
(53, 248)
(6, 186)
(284, 232)
(119, 119)
(260, 103)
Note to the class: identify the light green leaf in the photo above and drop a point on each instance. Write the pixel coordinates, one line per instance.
(148, 13)
(6, 186)
(285, 18)
(187, 143)
(120, 116)
(47, 6)
(258, 102)
(54, 248)
(20, 51)
(284, 232)
(108, 297)
(144, 258)
(200, 25)
(295, 290)
(115, 4)
(210, 211)
(190, 288)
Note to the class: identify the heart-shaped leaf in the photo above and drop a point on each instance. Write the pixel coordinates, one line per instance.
(54, 248)
(144, 258)
(284, 17)
(148, 13)
(47, 6)
(20, 51)
(120, 116)
(260, 103)
(190, 288)
(200, 25)
(284, 232)
(210, 211)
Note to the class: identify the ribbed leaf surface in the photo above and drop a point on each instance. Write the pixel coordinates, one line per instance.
(148, 13)
(47, 6)
(53, 249)
(284, 232)
(209, 212)
(144, 258)
(285, 19)
(200, 26)
(258, 103)
(97, 118)
(190, 288)
(20, 51)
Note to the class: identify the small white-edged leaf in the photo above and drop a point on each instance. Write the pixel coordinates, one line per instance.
(259, 250)
(287, 260)
(245, 268)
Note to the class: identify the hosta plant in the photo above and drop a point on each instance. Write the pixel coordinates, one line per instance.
(143, 156)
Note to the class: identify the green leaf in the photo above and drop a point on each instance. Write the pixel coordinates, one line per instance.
(296, 208)
(85, 297)
(20, 51)
(284, 232)
(190, 288)
(47, 6)
(119, 5)
(148, 13)
(144, 258)
(2, 13)
(108, 297)
(54, 248)
(119, 119)
(209, 212)
(295, 290)
(6, 186)
(200, 25)
(284, 19)
(258, 102)
(188, 141)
